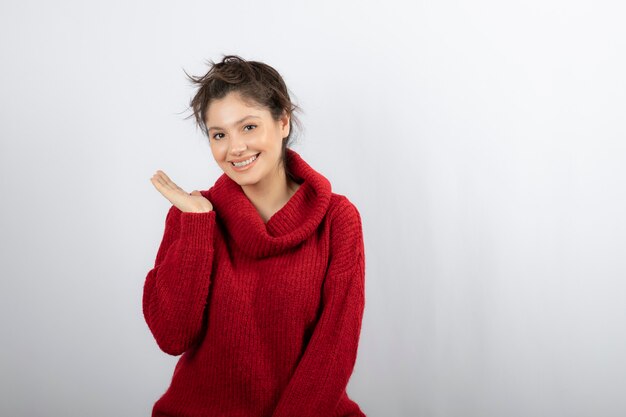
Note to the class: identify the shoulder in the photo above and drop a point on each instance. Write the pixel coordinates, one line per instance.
(340, 205)
(346, 243)
(343, 214)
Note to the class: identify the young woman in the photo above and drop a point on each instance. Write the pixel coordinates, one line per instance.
(259, 281)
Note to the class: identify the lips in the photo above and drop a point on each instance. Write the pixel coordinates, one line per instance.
(245, 159)
(246, 167)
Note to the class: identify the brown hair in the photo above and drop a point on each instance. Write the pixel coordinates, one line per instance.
(256, 82)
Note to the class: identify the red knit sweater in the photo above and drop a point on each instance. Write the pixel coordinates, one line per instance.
(267, 316)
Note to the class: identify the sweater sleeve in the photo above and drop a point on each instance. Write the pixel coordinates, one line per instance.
(175, 291)
(323, 371)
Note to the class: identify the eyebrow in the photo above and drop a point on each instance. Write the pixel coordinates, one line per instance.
(236, 123)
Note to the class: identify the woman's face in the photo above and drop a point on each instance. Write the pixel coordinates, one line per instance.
(238, 131)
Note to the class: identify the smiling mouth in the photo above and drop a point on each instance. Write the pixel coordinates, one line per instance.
(251, 160)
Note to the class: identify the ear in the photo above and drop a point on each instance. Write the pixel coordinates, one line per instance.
(284, 124)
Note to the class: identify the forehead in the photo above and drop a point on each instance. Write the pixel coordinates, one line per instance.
(233, 102)
(231, 108)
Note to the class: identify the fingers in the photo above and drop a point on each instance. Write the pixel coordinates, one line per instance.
(168, 181)
(164, 176)
(168, 188)
(162, 180)
(158, 180)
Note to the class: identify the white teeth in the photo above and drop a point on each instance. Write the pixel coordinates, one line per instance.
(244, 163)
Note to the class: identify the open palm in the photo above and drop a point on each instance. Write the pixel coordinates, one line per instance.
(193, 202)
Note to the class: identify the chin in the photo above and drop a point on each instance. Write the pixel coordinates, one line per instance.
(245, 183)
(242, 180)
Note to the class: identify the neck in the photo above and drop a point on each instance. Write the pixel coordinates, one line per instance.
(271, 195)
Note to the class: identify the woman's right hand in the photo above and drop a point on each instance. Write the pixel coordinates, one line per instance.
(193, 202)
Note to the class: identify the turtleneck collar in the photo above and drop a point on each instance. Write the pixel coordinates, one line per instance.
(288, 227)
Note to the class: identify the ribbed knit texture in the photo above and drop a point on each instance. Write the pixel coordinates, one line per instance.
(267, 316)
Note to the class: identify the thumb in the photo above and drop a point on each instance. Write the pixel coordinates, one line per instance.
(195, 192)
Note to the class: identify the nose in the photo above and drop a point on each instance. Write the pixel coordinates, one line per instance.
(238, 145)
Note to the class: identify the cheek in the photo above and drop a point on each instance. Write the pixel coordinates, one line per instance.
(218, 151)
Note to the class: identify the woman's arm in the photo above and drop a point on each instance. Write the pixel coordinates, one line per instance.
(327, 364)
(175, 291)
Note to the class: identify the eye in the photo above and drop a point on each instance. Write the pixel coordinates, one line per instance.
(214, 136)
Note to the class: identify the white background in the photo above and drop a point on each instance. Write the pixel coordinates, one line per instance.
(483, 143)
